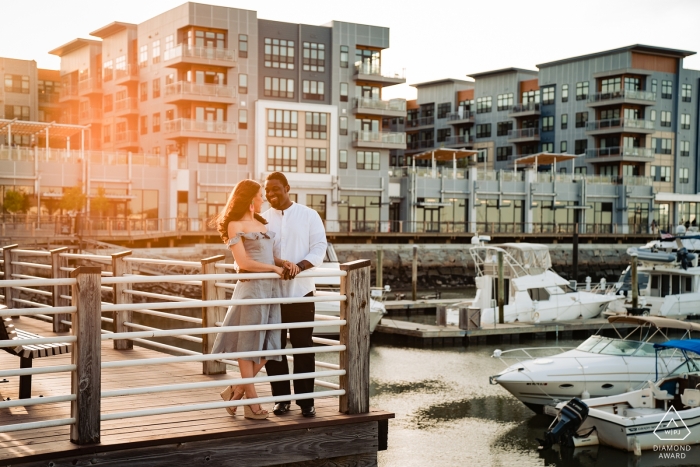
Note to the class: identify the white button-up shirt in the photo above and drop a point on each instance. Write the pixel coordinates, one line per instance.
(299, 235)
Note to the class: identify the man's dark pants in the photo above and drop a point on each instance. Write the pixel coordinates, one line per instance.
(304, 363)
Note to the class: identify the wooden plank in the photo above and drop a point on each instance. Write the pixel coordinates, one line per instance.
(355, 337)
(86, 355)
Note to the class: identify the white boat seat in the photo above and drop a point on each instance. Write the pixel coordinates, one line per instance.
(660, 395)
(691, 398)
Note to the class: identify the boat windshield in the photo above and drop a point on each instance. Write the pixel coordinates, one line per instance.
(626, 280)
(607, 346)
(691, 365)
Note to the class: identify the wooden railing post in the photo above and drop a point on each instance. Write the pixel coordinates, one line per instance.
(58, 262)
(355, 337)
(7, 269)
(86, 356)
(210, 315)
(121, 268)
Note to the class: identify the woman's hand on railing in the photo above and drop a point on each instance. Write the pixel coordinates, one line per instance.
(290, 270)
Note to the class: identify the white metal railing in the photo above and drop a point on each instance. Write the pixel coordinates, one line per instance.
(395, 105)
(622, 123)
(126, 104)
(196, 89)
(460, 139)
(623, 94)
(186, 124)
(385, 137)
(620, 151)
(128, 72)
(461, 115)
(209, 53)
(527, 107)
(375, 69)
(524, 133)
(89, 282)
(73, 156)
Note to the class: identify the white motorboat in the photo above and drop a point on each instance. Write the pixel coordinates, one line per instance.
(600, 366)
(663, 416)
(331, 286)
(533, 293)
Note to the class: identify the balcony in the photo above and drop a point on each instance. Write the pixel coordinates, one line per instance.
(126, 107)
(418, 123)
(183, 56)
(460, 118)
(47, 98)
(186, 128)
(68, 92)
(415, 146)
(90, 86)
(617, 154)
(525, 110)
(184, 91)
(459, 140)
(366, 106)
(619, 125)
(91, 117)
(377, 140)
(373, 72)
(624, 96)
(126, 75)
(524, 135)
(126, 139)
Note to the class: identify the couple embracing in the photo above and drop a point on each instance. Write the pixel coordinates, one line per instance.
(286, 239)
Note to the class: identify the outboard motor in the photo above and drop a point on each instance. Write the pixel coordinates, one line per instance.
(567, 422)
(685, 258)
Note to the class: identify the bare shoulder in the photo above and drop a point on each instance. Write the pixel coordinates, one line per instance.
(235, 227)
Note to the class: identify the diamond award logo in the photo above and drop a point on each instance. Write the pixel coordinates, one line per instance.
(671, 427)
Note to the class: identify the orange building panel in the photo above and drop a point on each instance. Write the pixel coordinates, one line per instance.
(48, 75)
(466, 95)
(410, 105)
(529, 85)
(654, 63)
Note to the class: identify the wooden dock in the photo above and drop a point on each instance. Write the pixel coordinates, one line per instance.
(422, 304)
(208, 436)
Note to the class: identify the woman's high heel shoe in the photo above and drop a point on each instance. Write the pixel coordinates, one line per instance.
(261, 414)
(230, 394)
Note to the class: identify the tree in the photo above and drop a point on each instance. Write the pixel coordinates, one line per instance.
(100, 203)
(16, 201)
(73, 199)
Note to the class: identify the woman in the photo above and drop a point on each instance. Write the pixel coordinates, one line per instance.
(244, 231)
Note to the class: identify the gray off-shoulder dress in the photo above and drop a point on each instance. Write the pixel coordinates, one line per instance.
(258, 246)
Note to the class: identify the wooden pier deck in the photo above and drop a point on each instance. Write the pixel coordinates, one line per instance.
(207, 436)
(422, 304)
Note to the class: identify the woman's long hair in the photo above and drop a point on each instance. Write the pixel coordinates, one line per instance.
(237, 205)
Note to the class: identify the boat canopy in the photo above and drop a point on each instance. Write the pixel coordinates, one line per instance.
(533, 257)
(692, 345)
(657, 321)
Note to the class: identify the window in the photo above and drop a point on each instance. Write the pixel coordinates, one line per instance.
(652, 116)
(343, 126)
(314, 57)
(483, 130)
(504, 101)
(279, 53)
(17, 83)
(666, 89)
(313, 90)
(654, 85)
(242, 83)
(684, 148)
(367, 160)
(666, 146)
(108, 102)
(503, 153)
(633, 83)
(282, 123)
(343, 159)
(107, 71)
(665, 118)
(502, 128)
(580, 146)
(20, 112)
(169, 43)
(482, 156)
(169, 115)
(316, 125)
(242, 154)
(563, 147)
(686, 92)
(144, 124)
(155, 51)
(143, 56)
(685, 121)
(611, 85)
(343, 92)
(683, 175)
(143, 91)
(548, 95)
(316, 161)
(344, 56)
(156, 88)
(483, 105)
(581, 170)
(279, 87)
(564, 121)
(243, 119)
(107, 133)
(444, 109)
(547, 147)
(548, 123)
(281, 159)
(565, 93)
(156, 122)
(243, 46)
(531, 97)
(318, 204)
(212, 153)
(581, 119)
(661, 173)
(582, 91)
(443, 134)
(169, 79)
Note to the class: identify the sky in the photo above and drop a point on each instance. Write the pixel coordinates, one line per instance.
(429, 40)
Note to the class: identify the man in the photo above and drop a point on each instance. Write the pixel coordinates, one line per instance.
(301, 239)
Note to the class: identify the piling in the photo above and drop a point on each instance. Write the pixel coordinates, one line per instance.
(501, 286)
(379, 268)
(414, 273)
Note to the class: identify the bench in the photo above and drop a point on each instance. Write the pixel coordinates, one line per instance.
(27, 353)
